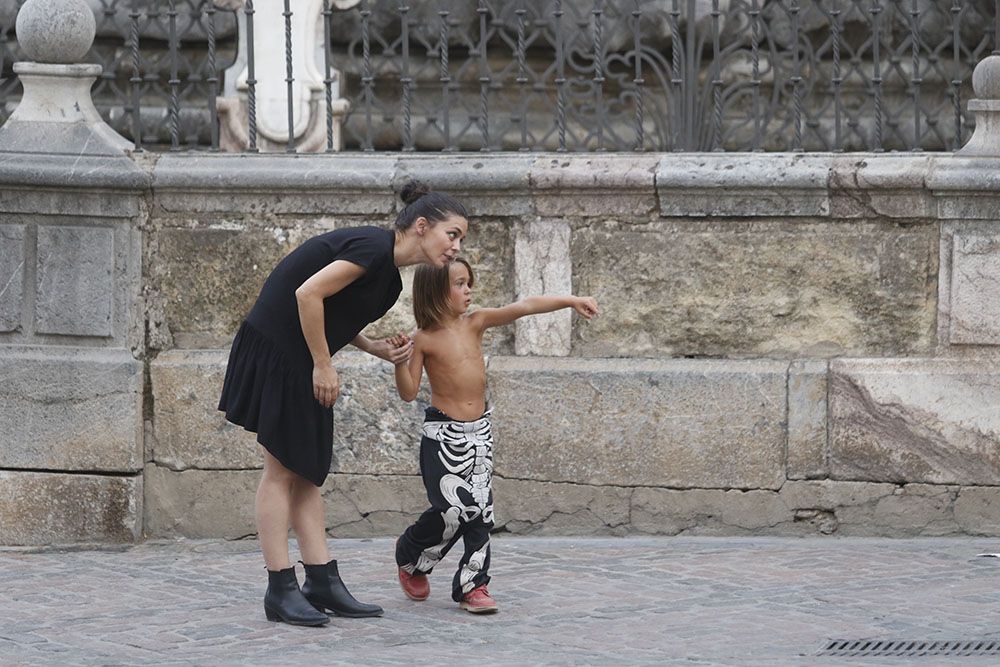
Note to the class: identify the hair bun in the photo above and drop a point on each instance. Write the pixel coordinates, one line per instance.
(412, 191)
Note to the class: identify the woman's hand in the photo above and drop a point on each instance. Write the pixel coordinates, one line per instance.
(326, 384)
(586, 306)
(396, 350)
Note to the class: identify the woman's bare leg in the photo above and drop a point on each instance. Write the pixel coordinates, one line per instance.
(309, 522)
(273, 511)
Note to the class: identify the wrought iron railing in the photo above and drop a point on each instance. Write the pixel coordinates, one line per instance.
(576, 75)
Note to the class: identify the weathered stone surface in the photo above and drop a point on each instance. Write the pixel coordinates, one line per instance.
(544, 508)
(706, 511)
(916, 420)
(55, 31)
(743, 185)
(542, 265)
(374, 432)
(75, 284)
(70, 409)
(630, 422)
(807, 388)
(372, 505)
(494, 185)
(975, 290)
(265, 184)
(188, 430)
(11, 276)
(208, 279)
(51, 508)
(767, 288)
(594, 185)
(977, 510)
(199, 503)
(880, 186)
(965, 188)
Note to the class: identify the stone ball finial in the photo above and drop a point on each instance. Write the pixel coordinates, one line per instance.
(986, 78)
(56, 31)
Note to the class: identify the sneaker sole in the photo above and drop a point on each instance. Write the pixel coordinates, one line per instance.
(478, 610)
(413, 597)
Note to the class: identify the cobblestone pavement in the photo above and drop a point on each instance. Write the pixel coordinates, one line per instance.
(564, 601)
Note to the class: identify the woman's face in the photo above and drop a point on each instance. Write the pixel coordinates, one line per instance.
(442, 240)
(460, 294)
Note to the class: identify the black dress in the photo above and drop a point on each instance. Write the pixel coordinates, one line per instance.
(268, 387)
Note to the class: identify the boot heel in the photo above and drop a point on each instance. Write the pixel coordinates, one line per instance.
(271, 616)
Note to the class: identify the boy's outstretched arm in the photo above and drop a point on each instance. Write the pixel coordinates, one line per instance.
(408, 372)
(534, 305)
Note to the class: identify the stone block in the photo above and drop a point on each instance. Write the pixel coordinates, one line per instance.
(542, 265)
(51, 508)
(495, 185)
(915, 420)
(372, 505)
(542, 508)
(264, 184)
(965, 188)
(628, 422)
(975, 290)
(11, 276)
(766, 288)
(880, 186)
(200, 503)
(594, 185)
(188, 430)
(75, 281)
(68, 408)
(977, 510)
(742, 185)
(807, 389)
(660, 511)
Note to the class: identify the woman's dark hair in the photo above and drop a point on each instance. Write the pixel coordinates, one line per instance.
(421, 202)
(431, 286)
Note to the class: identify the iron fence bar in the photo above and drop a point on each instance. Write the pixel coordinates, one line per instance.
(251, 80)
(327, 79)
(560, 77)
(755, 71)
(796, 78)
(638, 81)
(135, 80)
(213, 76)
(522, 78)
(367, 80)
(915, 78)
(690, 79)
(484, 78)
(174, 81)
(996, 28)
(405, 78)
(956, 81)
(675, 80)
(598, 13)
(445, 81)
(716, 81)
(289, 77)
(876, 11)
(838, 80)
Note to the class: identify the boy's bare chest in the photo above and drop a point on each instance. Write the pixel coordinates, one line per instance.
(455, 347)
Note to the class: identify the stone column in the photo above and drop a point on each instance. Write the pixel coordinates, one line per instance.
(70, 326)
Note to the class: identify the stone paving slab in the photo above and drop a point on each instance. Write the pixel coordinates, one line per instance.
(564, 601)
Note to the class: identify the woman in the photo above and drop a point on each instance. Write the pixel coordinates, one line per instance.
(281, 384)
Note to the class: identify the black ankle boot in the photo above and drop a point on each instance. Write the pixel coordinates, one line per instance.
(283, 600)
(325, 590)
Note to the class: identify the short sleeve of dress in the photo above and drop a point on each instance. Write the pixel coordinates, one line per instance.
(364, 250)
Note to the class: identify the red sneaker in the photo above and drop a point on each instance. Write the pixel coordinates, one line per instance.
(479, 601)
(415, 586)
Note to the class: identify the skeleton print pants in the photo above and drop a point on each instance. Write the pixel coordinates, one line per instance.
(456, 463)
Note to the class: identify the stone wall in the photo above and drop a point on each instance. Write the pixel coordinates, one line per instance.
(789, 344)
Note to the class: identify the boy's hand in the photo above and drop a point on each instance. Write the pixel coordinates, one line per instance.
(586, 306)
(396, 350)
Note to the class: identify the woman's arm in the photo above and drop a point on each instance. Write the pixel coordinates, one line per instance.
(324, 283)
(534, 305)
(384, 349)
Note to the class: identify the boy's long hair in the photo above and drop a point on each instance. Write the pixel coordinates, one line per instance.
(431, 286)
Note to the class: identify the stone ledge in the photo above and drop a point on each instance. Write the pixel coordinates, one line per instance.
(70, 408)
(51, 508)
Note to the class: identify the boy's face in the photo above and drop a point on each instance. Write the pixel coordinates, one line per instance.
(460, 295)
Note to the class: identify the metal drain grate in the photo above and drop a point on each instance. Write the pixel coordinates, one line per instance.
(910, 647)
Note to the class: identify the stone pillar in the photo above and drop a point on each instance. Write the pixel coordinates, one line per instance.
(543, 266)
(308, 89)
(985, 140)
(71, 398)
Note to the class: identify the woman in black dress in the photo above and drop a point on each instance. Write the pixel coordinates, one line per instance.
(281, 384)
